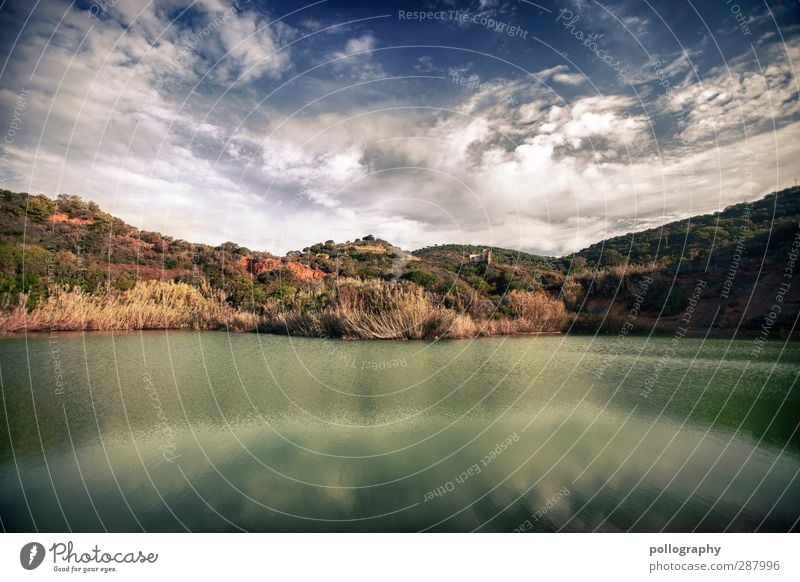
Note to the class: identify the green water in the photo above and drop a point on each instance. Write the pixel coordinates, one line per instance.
(209, 431)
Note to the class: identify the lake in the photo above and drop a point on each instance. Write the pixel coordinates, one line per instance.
(209, 431)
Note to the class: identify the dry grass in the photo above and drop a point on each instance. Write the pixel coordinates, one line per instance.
(358, 310)
(538, 309)
(149, 305)
(461, 327)
(607, 282)
(375, 310)
(572, 292)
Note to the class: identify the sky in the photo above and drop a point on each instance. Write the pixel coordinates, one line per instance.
(538, 126)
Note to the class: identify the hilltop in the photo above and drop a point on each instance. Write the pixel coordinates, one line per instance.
(51, 250)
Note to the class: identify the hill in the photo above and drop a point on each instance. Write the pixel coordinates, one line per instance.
(68, 249)
(772, 219)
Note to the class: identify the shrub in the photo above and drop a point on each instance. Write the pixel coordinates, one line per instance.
(537, 311)
(572, 293)
(419, 277)
(39, 208)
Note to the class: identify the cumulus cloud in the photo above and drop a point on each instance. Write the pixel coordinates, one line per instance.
(740, 97)
(111, 114)
(164, 122)
(249, 44)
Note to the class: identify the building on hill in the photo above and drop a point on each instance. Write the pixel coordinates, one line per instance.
(484, 257)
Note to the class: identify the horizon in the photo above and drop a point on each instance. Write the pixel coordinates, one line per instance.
(500, 122)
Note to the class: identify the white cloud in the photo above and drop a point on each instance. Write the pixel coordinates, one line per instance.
(561, 74)
(356, 60)
(737, 97)
(360, 44)
(250, 46)
(517, 163)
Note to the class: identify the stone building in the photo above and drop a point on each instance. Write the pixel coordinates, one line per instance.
(484, 257)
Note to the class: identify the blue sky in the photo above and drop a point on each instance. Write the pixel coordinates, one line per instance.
(539, 126)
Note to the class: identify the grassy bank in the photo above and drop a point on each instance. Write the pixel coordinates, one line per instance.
(357, 310)
(148, 305)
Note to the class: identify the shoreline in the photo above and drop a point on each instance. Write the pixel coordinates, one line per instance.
(659, 333)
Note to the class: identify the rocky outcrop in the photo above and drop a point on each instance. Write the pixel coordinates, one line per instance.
(299, 271)
(63, 217)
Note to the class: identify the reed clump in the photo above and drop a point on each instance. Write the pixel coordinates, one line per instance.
(356, 309)
(377, 310)
(148, 305)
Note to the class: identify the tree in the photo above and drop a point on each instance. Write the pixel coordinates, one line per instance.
(578, 264)
(39, 208)
(612, 258)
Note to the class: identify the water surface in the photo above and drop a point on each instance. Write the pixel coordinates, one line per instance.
(174, 431)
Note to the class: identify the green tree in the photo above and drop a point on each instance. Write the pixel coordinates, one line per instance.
(39, 208)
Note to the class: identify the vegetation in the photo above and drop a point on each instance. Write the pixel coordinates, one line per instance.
(702, 237)
(66, 264)
(147, 305)
(375, 309)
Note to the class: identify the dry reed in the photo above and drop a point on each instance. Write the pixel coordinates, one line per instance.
(357, 310)
(148, 305)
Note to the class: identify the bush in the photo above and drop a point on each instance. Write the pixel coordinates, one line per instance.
(39, 208)
(572, 292)
(421, 278)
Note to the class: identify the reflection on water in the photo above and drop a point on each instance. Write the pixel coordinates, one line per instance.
(215, 432)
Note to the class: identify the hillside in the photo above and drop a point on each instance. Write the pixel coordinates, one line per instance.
(746, 254)
(52, 249)
(774, 217)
